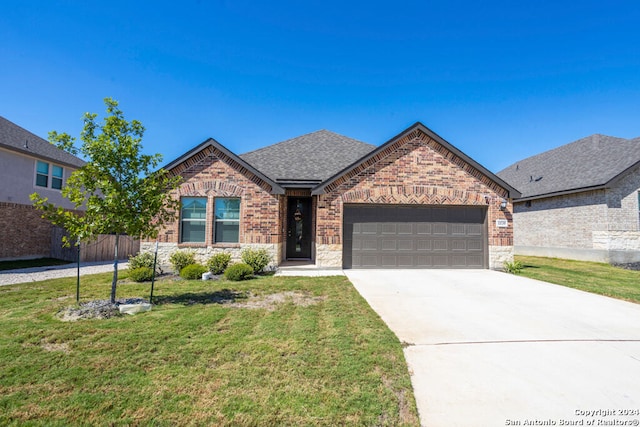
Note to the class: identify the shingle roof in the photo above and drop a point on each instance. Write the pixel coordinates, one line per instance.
(590, 162)
(15, 138)
(312, 157)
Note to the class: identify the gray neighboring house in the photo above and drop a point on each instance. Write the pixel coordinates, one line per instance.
(29, 164)
(579, 201)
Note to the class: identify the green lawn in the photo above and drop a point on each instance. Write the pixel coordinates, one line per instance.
(598, 278)
(191, 361)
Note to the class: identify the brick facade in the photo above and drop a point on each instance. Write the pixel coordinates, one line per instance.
(413, 170)
(24, 234)
(211, 174)
(599, 225)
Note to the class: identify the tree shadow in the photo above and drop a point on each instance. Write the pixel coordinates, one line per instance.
(224, 296)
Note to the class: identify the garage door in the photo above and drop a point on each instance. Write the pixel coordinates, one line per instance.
(414, 236)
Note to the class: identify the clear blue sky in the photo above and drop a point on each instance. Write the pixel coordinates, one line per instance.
(500, 80)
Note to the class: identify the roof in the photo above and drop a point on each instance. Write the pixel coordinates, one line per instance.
(275, 188)
(16, 138)
(589, 163)
(513, 193)
(309, 158)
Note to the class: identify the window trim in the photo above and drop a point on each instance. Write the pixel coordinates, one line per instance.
(216, 220)
(183, 220)
(49, 175)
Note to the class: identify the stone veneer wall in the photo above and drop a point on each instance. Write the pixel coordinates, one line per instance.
(210, 173)
(413, 170)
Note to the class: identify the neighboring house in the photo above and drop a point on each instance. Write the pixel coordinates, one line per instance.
(579, 201)
(29, 164)
(414, 202)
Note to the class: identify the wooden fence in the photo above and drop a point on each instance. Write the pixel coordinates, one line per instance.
(100, 249)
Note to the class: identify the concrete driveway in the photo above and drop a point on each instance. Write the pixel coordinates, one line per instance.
(486, 348)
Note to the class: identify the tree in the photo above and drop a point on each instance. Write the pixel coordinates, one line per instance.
(119, 188)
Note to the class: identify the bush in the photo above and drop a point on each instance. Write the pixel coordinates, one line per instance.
(238, 272)
(141, 274)
(181, 259)
(218, 263)
(193, 271)
(514, 267)
(143, 259)
(258, 259)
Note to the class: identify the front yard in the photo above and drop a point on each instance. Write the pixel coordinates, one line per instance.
(598, 278)
(269, 351)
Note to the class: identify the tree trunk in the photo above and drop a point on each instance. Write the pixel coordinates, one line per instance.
(115, 271)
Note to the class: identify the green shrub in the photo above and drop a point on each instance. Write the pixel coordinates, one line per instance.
(143, 259)
(237, 272)
(258, 259)
(218, 263)
(141, 274)
(180, 259)
(193, 271)
(514, 267)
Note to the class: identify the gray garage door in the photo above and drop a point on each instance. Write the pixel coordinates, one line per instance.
(414, 237)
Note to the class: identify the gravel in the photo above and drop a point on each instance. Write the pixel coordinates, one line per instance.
(25, 275)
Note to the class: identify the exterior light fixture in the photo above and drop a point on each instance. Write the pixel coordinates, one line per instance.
(503, 204)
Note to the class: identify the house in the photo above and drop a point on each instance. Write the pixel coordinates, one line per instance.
(416, 201)
(579, 201)
(29, 164)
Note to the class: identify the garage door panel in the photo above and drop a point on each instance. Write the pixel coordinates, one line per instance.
(414, 237)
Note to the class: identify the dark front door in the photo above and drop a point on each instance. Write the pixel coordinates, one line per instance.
(299, 228)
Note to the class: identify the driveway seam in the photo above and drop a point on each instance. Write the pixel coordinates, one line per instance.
(518, 341)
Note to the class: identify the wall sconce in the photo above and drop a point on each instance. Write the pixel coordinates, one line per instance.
(503, 204)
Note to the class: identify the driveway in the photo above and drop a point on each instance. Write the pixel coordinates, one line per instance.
(486, 348)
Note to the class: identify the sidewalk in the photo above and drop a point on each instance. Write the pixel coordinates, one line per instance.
(36, 274)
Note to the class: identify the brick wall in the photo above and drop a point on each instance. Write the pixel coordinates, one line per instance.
(23, 233)
(413, 170)
(210, 173)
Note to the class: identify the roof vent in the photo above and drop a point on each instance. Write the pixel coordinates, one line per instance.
(26, 144)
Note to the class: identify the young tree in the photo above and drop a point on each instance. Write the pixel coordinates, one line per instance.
(119, 188)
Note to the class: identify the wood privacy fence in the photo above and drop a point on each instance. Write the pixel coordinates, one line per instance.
(100, 249)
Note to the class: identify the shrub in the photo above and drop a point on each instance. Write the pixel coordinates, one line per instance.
(238, 272)
(193, 271)
(143, 259)
(141, 274)
(180, 259)
(514, 267)
(258, 259)
(218, 263)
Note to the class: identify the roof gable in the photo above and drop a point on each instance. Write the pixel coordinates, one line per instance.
(16, 138)
(381, 152)
(589, 163)
(312, 157)
(227, 156)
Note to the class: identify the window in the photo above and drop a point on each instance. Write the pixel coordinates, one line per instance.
(227, 220)
(56, 177)
(42, 175)
(194, 219)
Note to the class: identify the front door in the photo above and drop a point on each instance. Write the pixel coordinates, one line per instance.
(299, 228)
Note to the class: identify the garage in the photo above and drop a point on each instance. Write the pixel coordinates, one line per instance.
(410, 236)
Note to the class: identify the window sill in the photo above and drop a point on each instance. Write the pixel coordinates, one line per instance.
(212, 245)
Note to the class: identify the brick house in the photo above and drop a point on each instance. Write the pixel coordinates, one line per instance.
(29, 164)
(579, 201)
(413, 202)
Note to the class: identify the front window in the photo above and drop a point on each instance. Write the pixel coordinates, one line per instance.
(193, 219)
(227, 220)
(42, 174)
(56, 177)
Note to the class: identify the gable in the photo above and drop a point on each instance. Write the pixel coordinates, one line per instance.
(417, 155)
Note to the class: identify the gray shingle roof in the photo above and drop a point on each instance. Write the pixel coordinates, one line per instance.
(590, 162)
(15, 138)
(312, 157)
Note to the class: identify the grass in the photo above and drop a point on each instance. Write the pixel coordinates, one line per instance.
(598, 278)
(28, 263)
(192, 361)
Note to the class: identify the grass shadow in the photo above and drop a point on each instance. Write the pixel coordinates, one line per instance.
(224, 296)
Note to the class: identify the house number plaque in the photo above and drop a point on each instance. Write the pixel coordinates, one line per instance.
(502, 223)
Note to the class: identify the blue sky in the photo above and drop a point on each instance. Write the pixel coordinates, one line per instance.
(500, 80)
